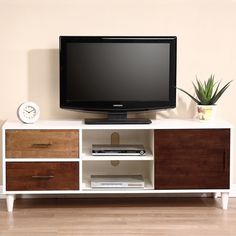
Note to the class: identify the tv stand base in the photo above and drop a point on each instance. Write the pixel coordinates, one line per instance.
(114, 118)
(106, 121)
(55, 157)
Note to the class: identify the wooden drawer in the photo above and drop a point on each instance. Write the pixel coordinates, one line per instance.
(42, 176)
(42, 143)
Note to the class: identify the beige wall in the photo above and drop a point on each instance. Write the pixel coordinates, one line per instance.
(29, 30)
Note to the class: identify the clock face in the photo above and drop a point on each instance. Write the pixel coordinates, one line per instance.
(28, 112)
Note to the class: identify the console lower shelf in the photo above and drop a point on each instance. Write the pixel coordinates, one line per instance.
(86, 186)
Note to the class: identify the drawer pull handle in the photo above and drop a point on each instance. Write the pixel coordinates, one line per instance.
(43, 176)
(225, 166)
(41, 145)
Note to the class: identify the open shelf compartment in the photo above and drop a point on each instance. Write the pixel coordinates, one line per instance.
(124, 167)
(127, 137)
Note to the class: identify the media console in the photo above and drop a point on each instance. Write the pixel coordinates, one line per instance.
(55, 157)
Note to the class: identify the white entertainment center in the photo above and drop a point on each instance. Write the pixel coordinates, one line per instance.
(55, 157)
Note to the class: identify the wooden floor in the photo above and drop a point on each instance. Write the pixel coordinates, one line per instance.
(112, 216)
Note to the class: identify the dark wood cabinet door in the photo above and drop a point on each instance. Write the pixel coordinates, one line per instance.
(192, 159)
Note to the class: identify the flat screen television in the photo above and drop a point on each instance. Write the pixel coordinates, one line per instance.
(117, 75)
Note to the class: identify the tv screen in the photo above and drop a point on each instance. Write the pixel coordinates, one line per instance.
(117, 73)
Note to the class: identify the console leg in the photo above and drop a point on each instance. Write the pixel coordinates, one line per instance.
(10, 202)
(224, 200)
(216, 195)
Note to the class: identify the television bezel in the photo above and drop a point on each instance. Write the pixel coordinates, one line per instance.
(118, 106)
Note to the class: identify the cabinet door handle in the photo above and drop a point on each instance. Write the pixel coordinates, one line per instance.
(42, 176)
(225, 160)
(41, 145)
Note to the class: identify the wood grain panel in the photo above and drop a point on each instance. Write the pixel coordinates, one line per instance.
(42, 176)
(192, 159)
(42, 143)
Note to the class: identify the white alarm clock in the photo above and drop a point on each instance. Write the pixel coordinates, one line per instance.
(28, 112)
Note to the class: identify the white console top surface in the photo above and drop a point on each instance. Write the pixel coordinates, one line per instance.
(156, 124)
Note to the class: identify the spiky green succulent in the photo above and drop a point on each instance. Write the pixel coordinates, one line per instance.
(207, 92)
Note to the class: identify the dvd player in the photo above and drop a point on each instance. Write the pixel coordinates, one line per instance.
(118, 150)
(117, 181)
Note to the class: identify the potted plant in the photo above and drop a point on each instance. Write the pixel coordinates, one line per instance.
(207, 94)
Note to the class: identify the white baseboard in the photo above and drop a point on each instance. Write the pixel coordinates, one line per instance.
(233, 191)
(1, 195)
(231, 194)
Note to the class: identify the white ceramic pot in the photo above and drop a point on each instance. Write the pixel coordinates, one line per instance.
(206, 112)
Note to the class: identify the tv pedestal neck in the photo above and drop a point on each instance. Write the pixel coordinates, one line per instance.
(117, 118)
